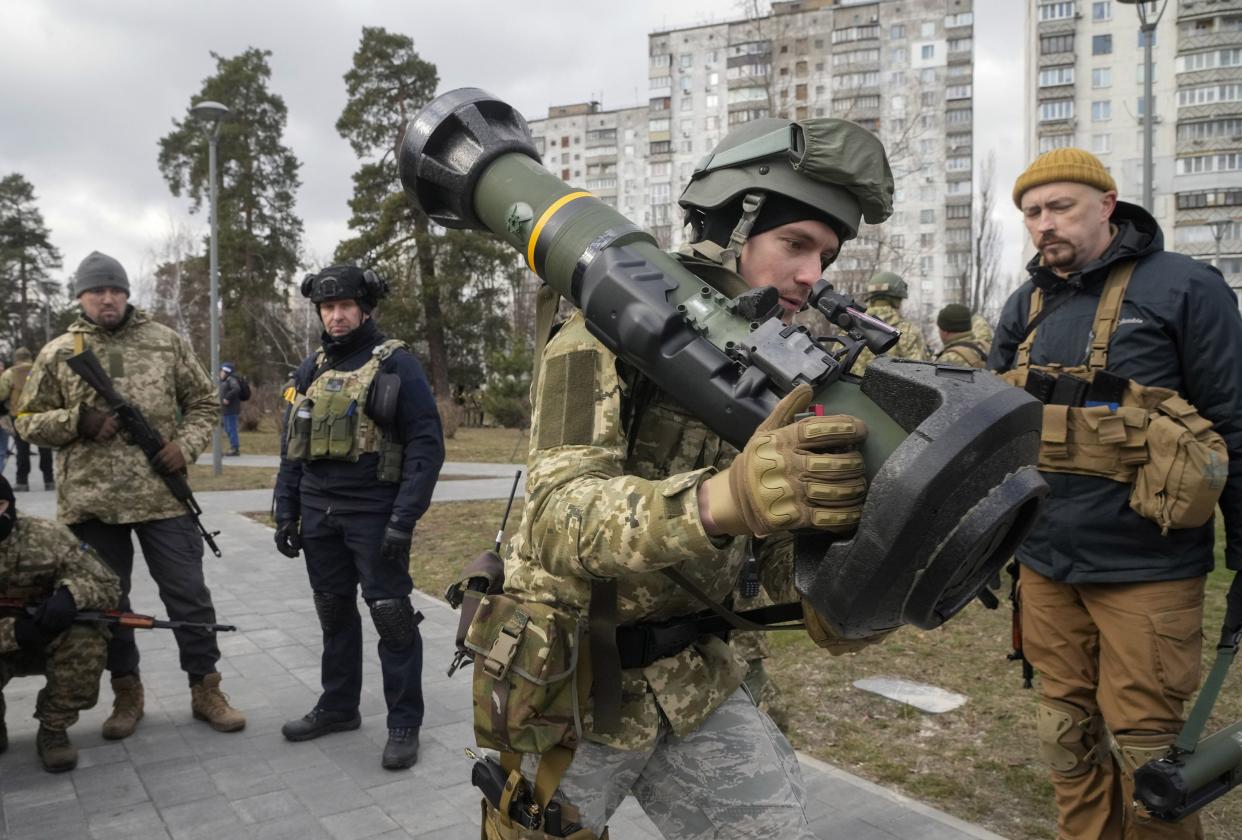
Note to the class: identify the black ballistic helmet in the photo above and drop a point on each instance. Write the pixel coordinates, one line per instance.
(345, 282)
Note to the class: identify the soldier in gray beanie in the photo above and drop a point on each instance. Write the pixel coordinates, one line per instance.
(99, 271)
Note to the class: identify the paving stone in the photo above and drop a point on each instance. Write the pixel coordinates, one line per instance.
(359, 824)
(268, 806)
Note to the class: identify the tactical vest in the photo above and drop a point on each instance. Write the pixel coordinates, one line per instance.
(973, 354)
(1149, 437)
(329, 421)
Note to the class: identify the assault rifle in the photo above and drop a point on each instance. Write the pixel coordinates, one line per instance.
(140, 433)
(121, 619)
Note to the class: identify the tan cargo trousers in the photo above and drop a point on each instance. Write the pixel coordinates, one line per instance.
(1126, 652)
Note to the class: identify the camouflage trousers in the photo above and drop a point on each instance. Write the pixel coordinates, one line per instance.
(72, 664)
(733, 778)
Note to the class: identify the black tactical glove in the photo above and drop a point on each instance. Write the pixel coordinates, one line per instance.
(30, 636)
(94, 424)
(396, 547)
(56, 614)
(288, 538)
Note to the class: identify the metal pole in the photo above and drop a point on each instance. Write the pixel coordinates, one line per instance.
(217, 447)
(1216, 259)
(1149, 116)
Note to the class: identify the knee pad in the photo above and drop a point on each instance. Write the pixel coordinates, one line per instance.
(395, 621)
(1070, 740)
(335, 611)
(1134, 749)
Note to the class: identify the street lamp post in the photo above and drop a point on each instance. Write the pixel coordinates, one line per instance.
(211, 113)
(1218, 228)
(1147, 26)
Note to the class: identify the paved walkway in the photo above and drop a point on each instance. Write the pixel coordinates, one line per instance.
(176, 778)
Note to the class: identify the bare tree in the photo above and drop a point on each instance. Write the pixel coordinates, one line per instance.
(985, 282)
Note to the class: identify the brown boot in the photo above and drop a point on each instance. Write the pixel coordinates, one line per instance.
(126, 707)
(56, 751)
(211, 704)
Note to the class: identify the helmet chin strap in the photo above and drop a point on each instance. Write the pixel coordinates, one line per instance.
(752, 203)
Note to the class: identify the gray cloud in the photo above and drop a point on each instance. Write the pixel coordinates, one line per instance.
(91, 86)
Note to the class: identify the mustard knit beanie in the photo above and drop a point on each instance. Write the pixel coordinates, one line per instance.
(1065, 164)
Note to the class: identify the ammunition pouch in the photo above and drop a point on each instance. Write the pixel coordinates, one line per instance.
(1186, 468)
(1070, 740)
(494, 826)
(484, 575)
(526, 656)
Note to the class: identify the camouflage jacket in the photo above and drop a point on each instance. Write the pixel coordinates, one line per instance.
(156, 370)
(9, 380)
(41, 556)
(981, 329)
(614, 471)
(963, 349)
(911, 344)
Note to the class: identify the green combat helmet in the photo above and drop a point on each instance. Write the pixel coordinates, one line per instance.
(836, 168)
(887, 284)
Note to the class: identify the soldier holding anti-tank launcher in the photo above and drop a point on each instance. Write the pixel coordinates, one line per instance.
(109, 489)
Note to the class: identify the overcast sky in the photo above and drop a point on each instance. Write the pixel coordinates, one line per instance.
(87, 88)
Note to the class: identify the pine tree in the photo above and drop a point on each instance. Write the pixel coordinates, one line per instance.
(29, 298)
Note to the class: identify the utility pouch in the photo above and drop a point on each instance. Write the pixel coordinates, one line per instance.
(334, 425)
(1186, 468)
(1068, 390)
(1039, 385)
(493, 827)
(1107, 388)
(391, 460)
(525, 657)
(298, 433)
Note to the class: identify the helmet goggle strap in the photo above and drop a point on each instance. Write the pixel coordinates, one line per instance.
(786, 140)
(752, 203)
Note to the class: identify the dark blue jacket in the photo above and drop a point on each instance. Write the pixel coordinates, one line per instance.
(1179, 328)
(353, 487)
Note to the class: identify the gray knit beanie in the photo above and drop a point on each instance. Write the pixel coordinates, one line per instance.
(99, 271)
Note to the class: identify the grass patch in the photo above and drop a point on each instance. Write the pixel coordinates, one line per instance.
(504, 446)
(202, 480)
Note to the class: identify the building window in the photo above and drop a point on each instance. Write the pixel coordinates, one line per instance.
(960, 44)
(1209, 198)
(1101, 110)
(1229, 127)
(897, 30)
(928, 99)
(927, 217)
(1102, 10)
(928, 52)
(1101, 144)
(957, 211)
(1207, 94)
(927, 29)
(1053, 76)
(1049, 44)
(1056, 11)
(959, 19)
(1048, 142)
(958, 116)
(927, 76)
(1102, 77)
(1056, 109)
(1101, 44)
(957, 164)
(1223, 162)
(957, 92)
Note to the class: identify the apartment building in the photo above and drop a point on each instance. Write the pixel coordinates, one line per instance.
(1085, 68)
(902, 68)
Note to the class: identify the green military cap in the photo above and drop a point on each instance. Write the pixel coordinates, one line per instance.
(954, 318)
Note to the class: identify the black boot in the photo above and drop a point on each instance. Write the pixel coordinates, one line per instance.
(401, 751)
(320, 722)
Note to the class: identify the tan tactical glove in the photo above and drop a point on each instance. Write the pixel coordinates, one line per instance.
(793, 474)
(824, 636)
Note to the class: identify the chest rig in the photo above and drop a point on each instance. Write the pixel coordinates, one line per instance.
(1099, 424)
(329, 420)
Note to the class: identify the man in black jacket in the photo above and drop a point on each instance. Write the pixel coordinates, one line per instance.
(1112, 603)
(359, 460)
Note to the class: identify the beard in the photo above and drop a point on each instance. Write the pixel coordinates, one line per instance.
(1059, 254)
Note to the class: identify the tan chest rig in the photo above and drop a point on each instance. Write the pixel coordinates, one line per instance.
(1151, 438)
(329, 421)
(971, 351)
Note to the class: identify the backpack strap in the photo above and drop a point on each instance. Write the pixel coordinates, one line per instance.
(1109, 312)
(1032, 323)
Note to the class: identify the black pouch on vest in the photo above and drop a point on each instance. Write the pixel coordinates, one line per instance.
(1068, 390)
(1107, 388)
(1039, 385)
(382, 399)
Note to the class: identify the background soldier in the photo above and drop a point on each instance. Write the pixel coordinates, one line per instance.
(885, 292)
(43, 563)
(12, 382)
(360, 458)
(108, 491)
(230, 406)
(624, 485)
(959, 344)
(1112, 601)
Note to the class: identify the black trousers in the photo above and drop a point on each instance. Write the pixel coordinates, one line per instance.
(23, 461)
(343, 551)
(174, 553)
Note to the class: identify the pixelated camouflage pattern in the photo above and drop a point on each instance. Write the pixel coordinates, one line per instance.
(11, 383)
(911, 344)
(962, 348)
(611, 509)
(36, 559)
(41, 556)
(981, 329)
(152, 367)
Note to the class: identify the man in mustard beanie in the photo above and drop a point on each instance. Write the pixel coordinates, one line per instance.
(1119, 338)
